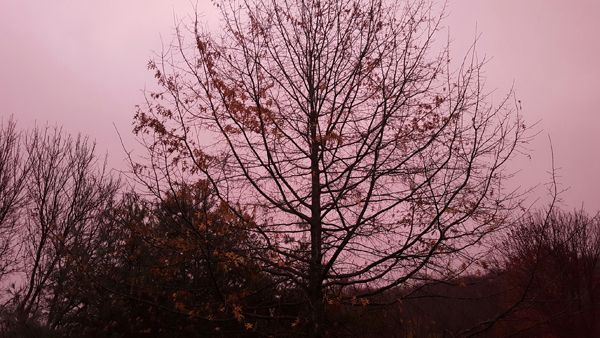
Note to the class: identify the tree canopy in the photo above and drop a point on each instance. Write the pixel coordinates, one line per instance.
(364, 160)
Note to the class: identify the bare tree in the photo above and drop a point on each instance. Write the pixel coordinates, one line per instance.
(65, 195)
(551, 258)
(13, 170)
(364, 159)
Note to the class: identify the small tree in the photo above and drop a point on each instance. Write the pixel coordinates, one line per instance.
(365, 161)
(173, 268)
(65, 195)
(552, 260)
(13, 171)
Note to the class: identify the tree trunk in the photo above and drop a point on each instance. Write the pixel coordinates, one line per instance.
(315, 293)
(317, 314)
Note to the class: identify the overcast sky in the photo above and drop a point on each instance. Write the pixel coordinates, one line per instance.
(82, 64)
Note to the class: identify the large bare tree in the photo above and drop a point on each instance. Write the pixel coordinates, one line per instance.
(364, 159)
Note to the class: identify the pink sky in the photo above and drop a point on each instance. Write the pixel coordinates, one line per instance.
(82, 64)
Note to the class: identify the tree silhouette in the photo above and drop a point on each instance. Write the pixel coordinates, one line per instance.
(63, 195)
(551, 259)
(13, 171)
(174, 267)
(365, 161)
